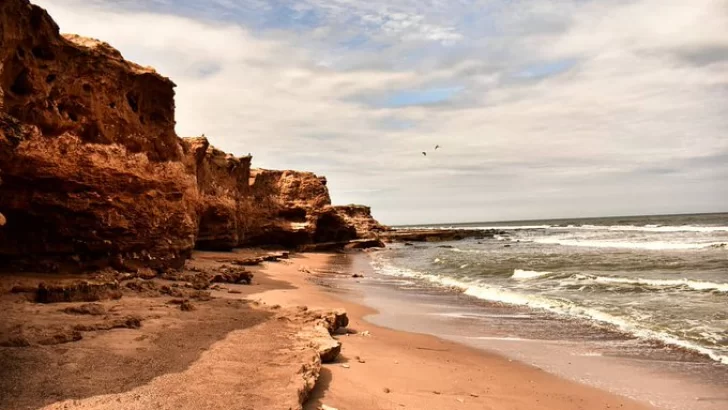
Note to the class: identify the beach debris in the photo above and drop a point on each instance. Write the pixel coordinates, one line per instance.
(365, 333)
(360, 360)
(345, 366)
(473, 395)
(436, 392)
(325, 407)
(386, 390)
(357, 275)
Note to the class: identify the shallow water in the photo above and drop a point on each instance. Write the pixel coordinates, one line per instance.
(663, 278)
(664, 376)
(637, 306)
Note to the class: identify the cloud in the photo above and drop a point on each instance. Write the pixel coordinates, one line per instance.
(542, 109)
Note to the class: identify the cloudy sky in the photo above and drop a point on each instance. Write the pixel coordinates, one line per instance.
(543, 108)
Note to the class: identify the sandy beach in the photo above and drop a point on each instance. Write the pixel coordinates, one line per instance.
(249, 346)
(389, 369)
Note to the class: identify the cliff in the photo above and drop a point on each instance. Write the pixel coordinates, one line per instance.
(292, 208)
(360, 217)
(93, 174)
(91, 165)
(222, 182)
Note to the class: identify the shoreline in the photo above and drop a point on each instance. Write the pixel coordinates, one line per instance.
(410, 370)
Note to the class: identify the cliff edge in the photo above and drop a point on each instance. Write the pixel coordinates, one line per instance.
(92, 173)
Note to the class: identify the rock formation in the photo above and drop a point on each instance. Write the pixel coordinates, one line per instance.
(223, 183)
(93, 173)
(360, 217)
(291, 208)
(91, 166)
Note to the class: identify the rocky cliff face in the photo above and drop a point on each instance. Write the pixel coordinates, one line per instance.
(91, 167)
(292, 208)
(360, 217)
(223, 184)
(92, 173)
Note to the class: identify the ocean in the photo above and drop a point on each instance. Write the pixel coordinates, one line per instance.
(657, 278)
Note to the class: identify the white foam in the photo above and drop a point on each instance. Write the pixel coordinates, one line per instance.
(652, 245)
(692, 284)
(645, 228)
(528, 274)
(495, 294)
(655, 228)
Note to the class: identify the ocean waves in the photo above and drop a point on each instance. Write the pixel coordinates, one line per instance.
(623, 320)
(623, 244)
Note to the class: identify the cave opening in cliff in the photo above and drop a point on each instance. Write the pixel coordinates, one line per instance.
(133, 101)
(22, 85)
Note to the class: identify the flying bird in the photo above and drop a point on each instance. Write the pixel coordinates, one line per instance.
(424, 153)
(437, 146)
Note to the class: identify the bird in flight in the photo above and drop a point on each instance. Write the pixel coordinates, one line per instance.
(437, 146)
(424, 153)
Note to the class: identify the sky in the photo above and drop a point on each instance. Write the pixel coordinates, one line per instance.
(542, 108)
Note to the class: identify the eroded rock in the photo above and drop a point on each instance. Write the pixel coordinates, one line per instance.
(92, 167)
(78, 291)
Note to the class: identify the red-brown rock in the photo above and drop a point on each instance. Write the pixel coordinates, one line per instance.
(223, 183)
(91, 166)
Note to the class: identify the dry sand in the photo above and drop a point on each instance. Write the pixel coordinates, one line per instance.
(232, 353)
(394, 370)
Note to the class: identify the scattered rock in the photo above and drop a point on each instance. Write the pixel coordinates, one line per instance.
(94, 309)
(234, 291)
(23, 289)
(360, 360)
(345, 366)
(446, 246)
(436, 392)
(506, 246)
(186, 306)
(79, 291)
(357, 275)
(386, 390)
(229, 274)
(409, 244)
(146, 273)
(142, 286)
(473, 395)
(129, 322)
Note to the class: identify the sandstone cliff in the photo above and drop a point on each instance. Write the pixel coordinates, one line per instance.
(91, 165)
(223, 183)
(92, 172)
(360, 217)
(292, 208)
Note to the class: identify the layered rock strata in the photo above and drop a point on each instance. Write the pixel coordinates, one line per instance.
(93, 174)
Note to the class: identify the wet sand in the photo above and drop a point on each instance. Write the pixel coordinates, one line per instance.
(381, 368)
(664, 376)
